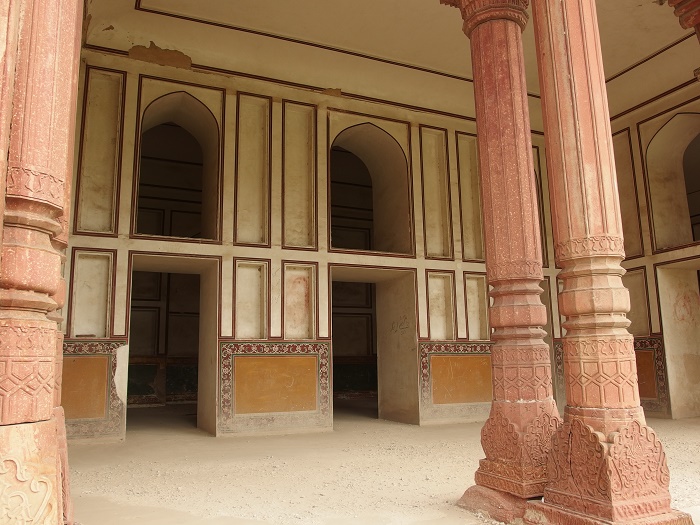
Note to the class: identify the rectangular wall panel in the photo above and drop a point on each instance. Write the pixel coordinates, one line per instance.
(299, 301)
(460, 379)
(264, 384)
(441, 306)
(100, 152)
(437, 215)
(470, 198)
(635, 281)
(253, 170)
(626, 185)
(476, 293)
(299, 176)
(92, 292)
(251, 295)
(86, 386)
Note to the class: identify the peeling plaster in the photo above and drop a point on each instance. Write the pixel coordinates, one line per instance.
(160, 56)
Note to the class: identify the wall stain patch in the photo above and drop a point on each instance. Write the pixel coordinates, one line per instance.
(160, 56)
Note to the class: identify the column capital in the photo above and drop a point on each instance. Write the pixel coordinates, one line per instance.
(475, 12)
(687, 11)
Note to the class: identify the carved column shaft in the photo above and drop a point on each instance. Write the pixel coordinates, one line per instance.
(605, 464)
(39, 93)
(523, 414)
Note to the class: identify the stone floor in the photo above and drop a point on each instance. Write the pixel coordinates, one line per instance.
(367, 472)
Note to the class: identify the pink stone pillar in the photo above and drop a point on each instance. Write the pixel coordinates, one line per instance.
(9, 27)
(40, 149)
(516, 437)
(606, 465)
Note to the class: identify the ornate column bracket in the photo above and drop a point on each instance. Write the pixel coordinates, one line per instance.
(688, 13)
(516, 438)
(605, 465)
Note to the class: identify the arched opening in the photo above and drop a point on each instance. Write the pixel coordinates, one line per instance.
(369, 192)
(691, 171)
(673, 160)
(178, 180)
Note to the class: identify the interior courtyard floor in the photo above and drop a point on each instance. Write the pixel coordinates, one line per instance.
(367, 471)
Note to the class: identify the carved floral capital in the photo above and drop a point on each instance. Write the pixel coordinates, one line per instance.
(475, 12)
(687, 11)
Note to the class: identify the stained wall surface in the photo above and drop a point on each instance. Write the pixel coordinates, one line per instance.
(279, 218)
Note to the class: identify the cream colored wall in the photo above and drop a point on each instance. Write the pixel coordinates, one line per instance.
(680, 314)
(265, 227)
(219, 94)
(397, 350)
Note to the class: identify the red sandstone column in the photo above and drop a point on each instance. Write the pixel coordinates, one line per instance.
(38, 169)
(516, 437)
(606, 465)
(9, 22)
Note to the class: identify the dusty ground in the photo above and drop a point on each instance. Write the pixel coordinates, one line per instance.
(366, 472)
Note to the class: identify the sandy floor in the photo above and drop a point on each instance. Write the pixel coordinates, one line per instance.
(366, 472)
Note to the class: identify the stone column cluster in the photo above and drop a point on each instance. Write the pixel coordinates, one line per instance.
(523, 414)
(43, 45)
(603, 464)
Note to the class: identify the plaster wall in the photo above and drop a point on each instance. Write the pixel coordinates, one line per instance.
(272, 204)
(680, 307)
(397, 350)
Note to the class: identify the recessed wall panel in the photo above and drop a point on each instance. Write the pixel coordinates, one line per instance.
(251, 300)
(635, 281)
(299, 175)
(299, 301)
(99, 152)
(436, 195)
(441, 306)
(264, 384)
(477, 307)
(472, 229)
(85, 386)
(253, 170)
(92, 292)
(460, 379)
(629, 206)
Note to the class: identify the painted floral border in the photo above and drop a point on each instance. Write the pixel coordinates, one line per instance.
(112, 423)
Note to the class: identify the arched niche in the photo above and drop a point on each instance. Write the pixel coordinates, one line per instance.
(691, 170)
(666, 175)
(369, 150)
(182, 135)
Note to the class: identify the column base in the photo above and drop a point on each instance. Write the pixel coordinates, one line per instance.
(497, 505)
(512, 478)
(29, 473)
(539, 513)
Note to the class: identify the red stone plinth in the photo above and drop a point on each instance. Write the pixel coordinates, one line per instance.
(538, 513)
(494, 504)
(29, 473)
